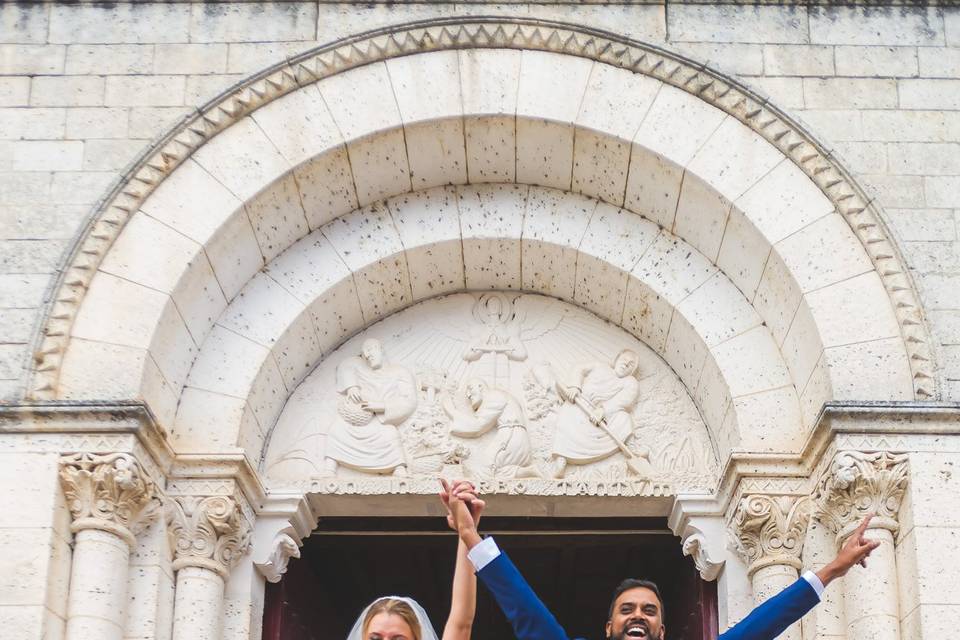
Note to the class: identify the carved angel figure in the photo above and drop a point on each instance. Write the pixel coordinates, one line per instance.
(489, 408)
(375, 397)
(598, 392)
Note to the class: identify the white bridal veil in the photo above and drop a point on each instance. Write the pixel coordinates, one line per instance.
(426, 629)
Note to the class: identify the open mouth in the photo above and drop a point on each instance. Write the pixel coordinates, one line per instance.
(636, 631)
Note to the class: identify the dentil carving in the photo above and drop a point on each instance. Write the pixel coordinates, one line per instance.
(861, 483)
(284, 548)
(771, 529)
(110, 492)
(208, 532)
(376, 396)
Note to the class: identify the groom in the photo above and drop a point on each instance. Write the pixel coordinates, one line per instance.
(636, 610)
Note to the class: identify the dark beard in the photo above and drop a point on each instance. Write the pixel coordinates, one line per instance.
(623, 635)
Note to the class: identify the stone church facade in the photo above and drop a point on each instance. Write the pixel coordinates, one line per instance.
(266, 262)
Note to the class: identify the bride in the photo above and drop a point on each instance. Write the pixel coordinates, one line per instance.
(401, 618)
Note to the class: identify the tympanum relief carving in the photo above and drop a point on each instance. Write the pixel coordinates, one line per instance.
(493, 386)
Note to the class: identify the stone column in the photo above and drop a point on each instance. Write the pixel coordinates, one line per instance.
(207, 535)
(108, 497)
(858, 484)
(770, 531)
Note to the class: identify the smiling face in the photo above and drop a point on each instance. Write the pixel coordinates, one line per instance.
(636, 613)
(388, 626)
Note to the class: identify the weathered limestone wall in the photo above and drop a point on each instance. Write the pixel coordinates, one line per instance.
(84, 88)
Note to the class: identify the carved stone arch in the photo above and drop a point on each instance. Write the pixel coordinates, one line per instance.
(320, 126)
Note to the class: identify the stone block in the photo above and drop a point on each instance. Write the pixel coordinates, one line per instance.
(616, 101)
(923, 225)
(895, 191)
(277, 216)
(738, 23)
(426, 86)
(31, 59)
(326, 187)
(16, 325)
(204, 88)
(942, 191)
(743, 253)
(380, 166)
(671, 270)
(701, 216)
(876, 25)
(429, 226)
(228, 364)
(717, 311)
(248, 57)
(253, 22)
(734, 59)
(770, 420)
(685, 352)
(862, 157)
(243, 159)
(145, 91)
(544, 153)
(41, 221)
(600, 166)
(109, 59)
(121, 312)
(940, 291)
(617, 237)
(939, 62)
(14, 91)
(299, 125)
(553, 227)
(646, 22)
(491, 223)
(361, 101)
(864, 304)
(712, 396)
(32, 124)
(97, 122)
(929, 159)
(22, 188)
(30, 256)
(80, 187)
(95, 369)
(551, 85)
(116, 22)
(930, 94)
(834, 124)
(146, 123)
(36, 155)
(872, 370)
(190, 58)
(945, 325)
(110, 155)
(491, 147)
(436, 153)
(876, 61)
(797, 60)
(489, 79)
(234, 254)
(850, 93)
(24, 562)
(911, 126)
(13, 361)
(678, 144)
(733, 159)
(653, 186)
(786, 93)
(824, 252)
(23, 23)
(927, 257)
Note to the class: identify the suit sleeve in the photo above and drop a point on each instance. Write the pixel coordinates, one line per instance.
(771, 618)
(530, 618)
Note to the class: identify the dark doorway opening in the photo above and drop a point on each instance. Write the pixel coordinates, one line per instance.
(572, 563)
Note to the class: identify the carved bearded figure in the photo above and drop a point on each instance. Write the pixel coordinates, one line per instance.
(607, 393)
(376, 396)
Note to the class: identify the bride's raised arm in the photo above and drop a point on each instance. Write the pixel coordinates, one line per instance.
(463, 602)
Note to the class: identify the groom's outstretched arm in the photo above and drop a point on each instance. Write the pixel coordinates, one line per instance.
(530, 618)
(772, 617)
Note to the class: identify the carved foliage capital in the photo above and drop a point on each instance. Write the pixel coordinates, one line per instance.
(209, 532)
(771, 529)
(858, 484)
(111, 492)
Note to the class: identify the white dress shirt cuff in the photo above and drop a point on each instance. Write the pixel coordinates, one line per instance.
(483, 554)
(815, 582)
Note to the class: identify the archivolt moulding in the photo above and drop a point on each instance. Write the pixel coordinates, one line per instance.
(456, 33)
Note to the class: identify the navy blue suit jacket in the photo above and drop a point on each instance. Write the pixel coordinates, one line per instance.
(532, 620)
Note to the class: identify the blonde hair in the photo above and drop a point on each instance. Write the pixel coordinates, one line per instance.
(396, 607)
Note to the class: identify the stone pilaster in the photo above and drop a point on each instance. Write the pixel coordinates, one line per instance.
(770, 531)
(857, 484)
(110, 497)
(208, 535)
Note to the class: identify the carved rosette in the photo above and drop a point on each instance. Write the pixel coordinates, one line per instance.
(208, 532)
(110, 492)
(770, 530)
(858, 484)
